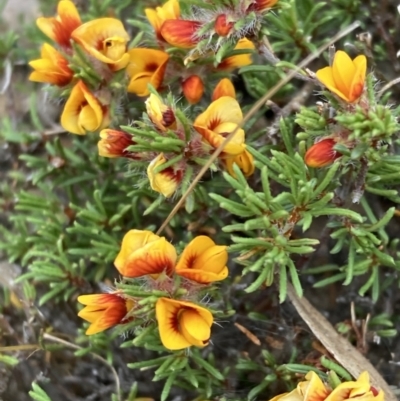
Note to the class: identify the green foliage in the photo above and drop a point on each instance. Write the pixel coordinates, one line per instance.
(38, 394)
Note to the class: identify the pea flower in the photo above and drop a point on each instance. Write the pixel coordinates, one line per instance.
(51, 68)
(104, 311)
(313, 389)
(244, 161)
(322, 153)
(161, 115)
(203, 261)
(239, 60)
(157, 16)
(224, 88)
(193, 89)
(83, 112)
(183, 324)
(60, 28)
(165, 181)
(146, 66)
(180, 33)
(220, 119)
(143, 253)
(105, 39)
(113, 143)
(346, 77)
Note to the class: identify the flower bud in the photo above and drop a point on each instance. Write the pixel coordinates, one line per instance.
(161, 115)
(180, 33)
(222, 26)
(113, 143)
(166, 181)
(321, 154)
(193, 89)
(224, 88)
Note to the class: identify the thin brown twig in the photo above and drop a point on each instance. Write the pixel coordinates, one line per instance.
(260, 103)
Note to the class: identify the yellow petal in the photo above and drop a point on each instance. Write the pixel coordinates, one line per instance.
(292, 396)
(194, 328)
(168, 312)
(239, 60)
(104, 38)
(167, 316)
(325, 76)
(313, 389)
(145, 66)
(343, 71)
(225, 109)
(153, 258)
(357, 84)
(157, 16)
(132, 241)
(166, 181)
(224, 88)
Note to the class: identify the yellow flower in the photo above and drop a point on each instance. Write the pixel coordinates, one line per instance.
(244, 161)
(166, 181)
(193, 89)
(104, 311)
(360, 389)
(321, 154)
(113, 143)
(313, 389)
(51, 68)
(203, 261)
(161, 115)
(143, 252)
(346, 77)
(224, 88)
(146, 66)
(220, 119)
(105, 39)
(59, 28)
(157, 16)
(239, 60)
(183, 324)
(83, 112)
(180, 33)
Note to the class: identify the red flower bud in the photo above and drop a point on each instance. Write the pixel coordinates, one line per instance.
(321, 154)
(222, 27)
(193, 89)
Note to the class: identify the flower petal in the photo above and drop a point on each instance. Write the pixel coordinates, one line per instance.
(343, 71)
(152, 258)
(166, 314)
(59, 29)
(357, 84)
(146, 66)
(194, 328)
(239, 60)
(105, 39)
(325, 76)
(224, 88)
(313, 389)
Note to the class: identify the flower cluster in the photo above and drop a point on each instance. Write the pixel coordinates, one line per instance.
(93, 65)
(314, 389)
(182, 323)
